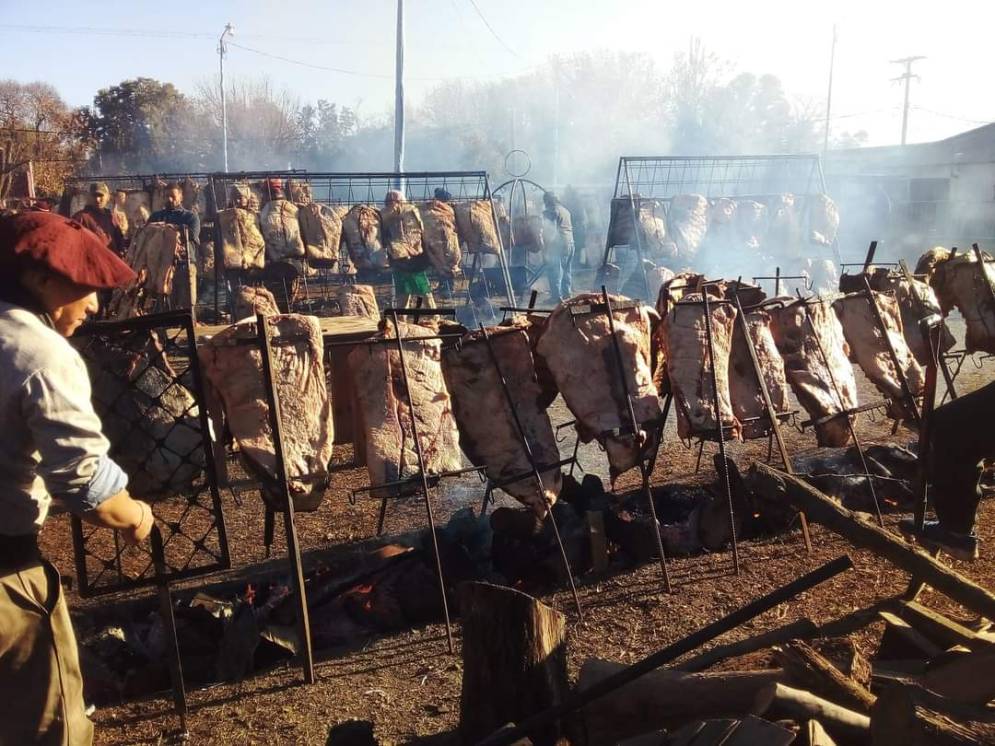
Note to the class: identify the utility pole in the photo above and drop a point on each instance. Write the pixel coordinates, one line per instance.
(399, 95)
(229, 30)
(829, 94)
(907, 76)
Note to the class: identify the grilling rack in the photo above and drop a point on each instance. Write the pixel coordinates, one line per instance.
(423, 481)
(661, 178)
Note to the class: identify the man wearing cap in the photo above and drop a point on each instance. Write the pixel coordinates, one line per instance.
(98, 217)
(50, 271)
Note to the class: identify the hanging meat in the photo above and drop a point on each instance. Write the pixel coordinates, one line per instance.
(402, 231)
(493, 440)
(153, 254)
(193, 196)
(242, 243)
(961, 282)
(916, 301)
(528, 233)
(158, 189)
(928, 262)
(687, 224)
(150, 419)
(281, 230)
(321, 231)
(804, 331)
(362, 232)
(475, 224)
(823, 220)
(580, 354)
(233, 369)
(250, 300)
(751, 224)
(690, 367)
(358, 300)
(652, 226)
(748, 404)
(534, 325)
(387, 415)
(299, 191)
(783, 226)
(440, 239)
(869, 348)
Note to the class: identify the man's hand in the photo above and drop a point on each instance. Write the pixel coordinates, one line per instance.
(140, 531)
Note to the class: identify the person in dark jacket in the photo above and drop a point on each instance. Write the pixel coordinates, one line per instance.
(97, 217)
(174, 213)
(961, 439)
(558, 247)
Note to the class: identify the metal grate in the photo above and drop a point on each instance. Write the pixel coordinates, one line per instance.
(719, 176)
(148, 393)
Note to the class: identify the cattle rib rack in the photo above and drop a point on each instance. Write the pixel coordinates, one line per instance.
(661, 178)
(370, 188)
(423, 480)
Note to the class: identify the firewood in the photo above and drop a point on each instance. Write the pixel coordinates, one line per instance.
(514, 661)
(966, 678)
(813, 734)
(807, 669)
(862, 533)
(779, 699)
(913, 716)
(749, 731)
(940, 629)
(901, 640)
(797, 630)
(664, 699)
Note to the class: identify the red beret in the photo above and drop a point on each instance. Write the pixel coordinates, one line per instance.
(64, 246)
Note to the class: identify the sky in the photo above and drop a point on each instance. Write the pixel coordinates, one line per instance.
(80, 47)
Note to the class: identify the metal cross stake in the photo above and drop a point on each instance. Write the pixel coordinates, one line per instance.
(775, 426)
(719, 430)
(293, 547)
(644, 468)
(846, 414)
(527, 447)
(172, 644)
(424, 479)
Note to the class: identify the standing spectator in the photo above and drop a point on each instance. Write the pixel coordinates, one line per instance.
(98, 218)
(410, 277)
(558, 247)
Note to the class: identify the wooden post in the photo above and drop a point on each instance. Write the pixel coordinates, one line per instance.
(823, 509)
(514, 661)
(778, 700)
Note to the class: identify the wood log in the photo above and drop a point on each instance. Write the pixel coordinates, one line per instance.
(901, 640)
(813, 734)
(842, 652)
(966, 678)
(862, 533)
(514, 661)
(940, 629)
(913, 716)
(749, 731)
(781, 700)
(664, 699)
(809, 670)
(797, 630)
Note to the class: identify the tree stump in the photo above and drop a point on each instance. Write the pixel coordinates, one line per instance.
(913, 716)
(514, 661)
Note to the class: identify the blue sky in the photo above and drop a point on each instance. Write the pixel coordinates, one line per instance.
(449, 38)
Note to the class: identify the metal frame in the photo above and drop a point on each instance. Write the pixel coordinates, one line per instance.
(175, 329)
(661, 178)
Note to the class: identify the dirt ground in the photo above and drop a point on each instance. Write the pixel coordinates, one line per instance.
(409, 686)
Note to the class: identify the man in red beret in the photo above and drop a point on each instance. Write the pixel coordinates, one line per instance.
(97, 216)
(50, 271)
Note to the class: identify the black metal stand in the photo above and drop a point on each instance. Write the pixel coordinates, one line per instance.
(527, 448)
(293, 547)
(169, 623)
(644, 469)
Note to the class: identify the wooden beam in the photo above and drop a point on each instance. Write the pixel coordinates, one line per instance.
(823, 509)
(779, 700)
(909, 634)
(942, 630)
(966, 678)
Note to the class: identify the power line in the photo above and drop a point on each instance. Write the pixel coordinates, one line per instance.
(953, 116)
(491, 29)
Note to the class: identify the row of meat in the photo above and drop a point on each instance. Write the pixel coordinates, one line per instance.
(691, 224)
(807, 347)
(345, 238)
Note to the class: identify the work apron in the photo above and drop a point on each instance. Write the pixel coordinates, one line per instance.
(41, 687)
